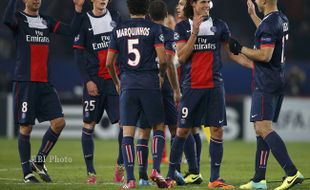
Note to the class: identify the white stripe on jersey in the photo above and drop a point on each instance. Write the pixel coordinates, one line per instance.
(101, 25)
(35, 22)
(204, 28)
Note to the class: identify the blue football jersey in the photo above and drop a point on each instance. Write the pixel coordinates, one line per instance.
(135, 41)
(202, 68)
(32, 38)
(273, 31)
(94, 38)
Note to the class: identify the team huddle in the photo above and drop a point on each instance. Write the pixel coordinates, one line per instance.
(147, 73)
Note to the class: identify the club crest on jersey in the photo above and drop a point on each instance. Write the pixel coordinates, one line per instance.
(213, 29)
(176, 36)
(161, 38)
(113, 23)
(77, 38)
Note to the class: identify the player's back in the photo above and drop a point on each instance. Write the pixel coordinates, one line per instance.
(272, 32)
(135, 42)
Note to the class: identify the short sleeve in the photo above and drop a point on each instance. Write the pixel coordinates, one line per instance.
(179, 33)
(80, 39)
(267, 37)
(169, 42)
(158, 36)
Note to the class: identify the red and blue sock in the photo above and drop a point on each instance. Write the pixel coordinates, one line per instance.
(128, 152)
(142, 154)
(48, 142)
(262, 154)
(158, 148)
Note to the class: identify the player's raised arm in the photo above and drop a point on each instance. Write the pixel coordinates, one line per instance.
(185, 48)
(9, 15)
(252, 13)
(59, 27)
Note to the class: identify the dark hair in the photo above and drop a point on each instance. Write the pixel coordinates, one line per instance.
(188, 8)
(138, 7)
(158, 10)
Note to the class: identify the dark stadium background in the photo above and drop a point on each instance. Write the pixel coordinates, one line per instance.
(234, 12)
(67, 80)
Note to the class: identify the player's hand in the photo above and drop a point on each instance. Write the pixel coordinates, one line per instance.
(78, 5)
(161, 81)
(197, 20)
(92, 88)
(118, 87)
(234, 46)
(251, 7)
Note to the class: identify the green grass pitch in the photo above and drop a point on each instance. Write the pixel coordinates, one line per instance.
(67, 169)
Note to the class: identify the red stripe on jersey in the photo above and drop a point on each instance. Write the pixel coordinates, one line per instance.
(56, 26)
(169, 52)
(113, 50)
(103, 70)
(201, 70)
(181, 41)
(38, 62)
(267, 45)
(158, 45)
(78, 47)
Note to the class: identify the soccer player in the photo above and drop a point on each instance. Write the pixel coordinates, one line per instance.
(34, 96)
(137, 42)
(170, 95)
(199, 41)
(91, 48)
(269, 83)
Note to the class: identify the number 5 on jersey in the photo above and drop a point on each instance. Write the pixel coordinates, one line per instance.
(132, 50)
